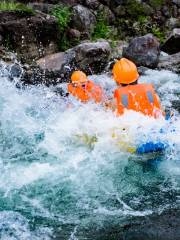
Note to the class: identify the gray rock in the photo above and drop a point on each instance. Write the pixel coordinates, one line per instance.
(166, 11)
(118, 50)
(176, 105)
(173, 23)
(108, 15)
(90, 57)
(142, 70)
(172, 44)
(148, 10)
(177, 2)
(93, 4)
(144, 51)
(171, 62)
(175, 11)
(16, 71)
(120, 11)
(30, 36)
(73, 33)
(83, 19)
(43, 7)
(52, 62)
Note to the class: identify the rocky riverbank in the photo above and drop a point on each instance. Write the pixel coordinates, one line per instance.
(52, 38)
(42, 42)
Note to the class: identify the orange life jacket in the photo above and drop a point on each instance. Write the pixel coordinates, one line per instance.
(140, 98)
(86, 93)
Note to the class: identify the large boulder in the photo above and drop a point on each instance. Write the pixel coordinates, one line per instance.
(53, 62)
(144, 51)
(83, 20)
(90, 57)
(31, 36)
(172, 44)
(171, 62)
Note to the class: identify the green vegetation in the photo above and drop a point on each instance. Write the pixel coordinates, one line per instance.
(102, 29)
(156, 3)
(158, 33)
(65, 42)
(14, 6)
(135, 9)
(143, 19)
(63, 15)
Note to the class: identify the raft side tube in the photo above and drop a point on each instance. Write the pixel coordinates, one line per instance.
(150, 147)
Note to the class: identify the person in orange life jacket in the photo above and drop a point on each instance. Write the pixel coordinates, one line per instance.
(130, 94)
(84, 89)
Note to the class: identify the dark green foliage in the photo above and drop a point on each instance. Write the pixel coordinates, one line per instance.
(8, 42)
(102, 29)
(65, 42)
(134, 9)
(158, 33)
(156, 3)
(14, 6)
(63, 15)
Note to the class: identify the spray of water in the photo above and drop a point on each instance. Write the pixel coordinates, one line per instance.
(55, 181)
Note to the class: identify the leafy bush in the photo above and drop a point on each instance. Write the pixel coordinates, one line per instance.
(102, 29)
(135, 9)
(14, 6)
(63, 15)
(156, 3)
(158, 33)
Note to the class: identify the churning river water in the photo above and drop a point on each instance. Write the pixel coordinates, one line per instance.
(54, 185)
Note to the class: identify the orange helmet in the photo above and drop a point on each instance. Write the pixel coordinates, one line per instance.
(78, 77)
(125, 71)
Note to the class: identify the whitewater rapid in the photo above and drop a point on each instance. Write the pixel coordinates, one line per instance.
(53, 184)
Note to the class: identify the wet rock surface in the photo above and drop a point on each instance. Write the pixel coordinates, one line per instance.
(30, 36)
(172, 44)
(83, 19)
(171, 62)
(144, 51)
(90, 57)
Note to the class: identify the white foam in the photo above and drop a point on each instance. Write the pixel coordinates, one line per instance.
(40, 143)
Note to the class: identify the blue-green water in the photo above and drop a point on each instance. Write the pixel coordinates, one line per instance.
(52, 185)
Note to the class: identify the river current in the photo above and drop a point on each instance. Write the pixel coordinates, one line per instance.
(56, 185)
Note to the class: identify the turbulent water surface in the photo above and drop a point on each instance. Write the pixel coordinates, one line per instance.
(54, 183)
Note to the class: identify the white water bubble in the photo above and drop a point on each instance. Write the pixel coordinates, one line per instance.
(65, 160)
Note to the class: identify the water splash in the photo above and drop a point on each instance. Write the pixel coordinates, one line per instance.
(52, 182)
